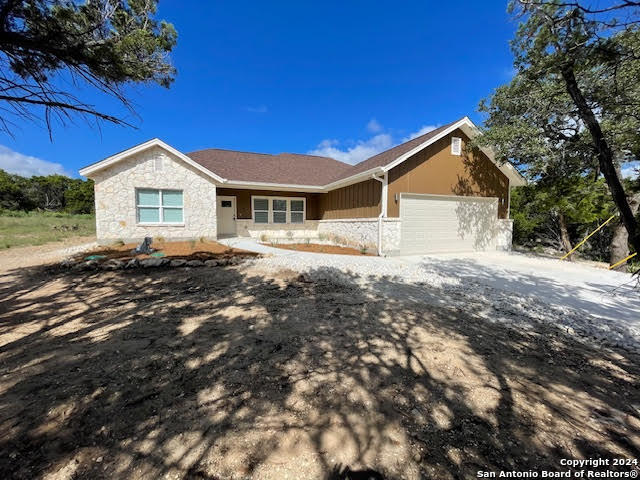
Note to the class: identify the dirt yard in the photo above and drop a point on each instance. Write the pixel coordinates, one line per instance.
(234, 373)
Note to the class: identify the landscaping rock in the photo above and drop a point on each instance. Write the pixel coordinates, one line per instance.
(152, 262)
(133, 263)
(211, 263)
(112, 264)
(178, 262)
(195, 263)
(90, 265)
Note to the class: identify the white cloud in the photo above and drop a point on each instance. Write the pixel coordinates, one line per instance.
(362, 150)
(353, 152)
(18, 163)
(630, 170)
(374, 126)
(424, 129)
(258, 109)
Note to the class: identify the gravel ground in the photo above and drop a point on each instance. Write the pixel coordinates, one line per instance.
(593, 304)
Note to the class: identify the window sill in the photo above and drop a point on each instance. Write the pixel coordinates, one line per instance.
(160, 224)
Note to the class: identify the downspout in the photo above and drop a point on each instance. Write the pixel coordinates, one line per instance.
(383, 207)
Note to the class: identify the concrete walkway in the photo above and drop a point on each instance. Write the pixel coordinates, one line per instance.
(252, 245)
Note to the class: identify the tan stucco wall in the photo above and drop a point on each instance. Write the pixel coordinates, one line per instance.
(116, 199)
(435, 170)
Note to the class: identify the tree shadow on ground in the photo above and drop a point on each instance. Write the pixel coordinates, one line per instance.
(230, 373)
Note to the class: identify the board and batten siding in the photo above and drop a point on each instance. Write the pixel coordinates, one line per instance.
(243, 200)
(434, 170)
(360, 200)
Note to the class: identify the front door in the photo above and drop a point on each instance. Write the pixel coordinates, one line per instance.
(226, 213)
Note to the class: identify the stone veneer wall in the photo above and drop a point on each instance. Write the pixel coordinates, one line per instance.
(247, 228)
(504, 235)
(115, 197)
(364, 231)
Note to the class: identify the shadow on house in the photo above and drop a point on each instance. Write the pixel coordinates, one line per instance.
(231, 373)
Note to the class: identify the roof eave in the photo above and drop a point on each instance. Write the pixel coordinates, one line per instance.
(154, 142)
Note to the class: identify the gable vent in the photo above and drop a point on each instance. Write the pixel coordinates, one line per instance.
(456, 146)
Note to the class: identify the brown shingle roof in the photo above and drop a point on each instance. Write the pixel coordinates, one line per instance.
(287, 168)
(297, 169)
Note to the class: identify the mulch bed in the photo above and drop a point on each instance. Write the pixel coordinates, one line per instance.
(316, 248)
(165, 254)
(195, 250)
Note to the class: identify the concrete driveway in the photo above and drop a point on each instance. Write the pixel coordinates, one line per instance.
(587, 289)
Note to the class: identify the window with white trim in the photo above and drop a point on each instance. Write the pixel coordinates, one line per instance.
(456, 146)
(159, 206)
(278, 210)
(261, 210)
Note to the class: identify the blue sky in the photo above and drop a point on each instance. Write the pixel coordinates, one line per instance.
(341, 78)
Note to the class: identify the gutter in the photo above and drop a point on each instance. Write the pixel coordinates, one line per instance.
(383, 206)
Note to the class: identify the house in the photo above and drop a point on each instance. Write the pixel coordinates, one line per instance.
(430, 194)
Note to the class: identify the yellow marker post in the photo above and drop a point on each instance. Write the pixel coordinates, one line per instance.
(622, 261)
(587, 237)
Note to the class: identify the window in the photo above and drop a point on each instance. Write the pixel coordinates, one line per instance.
(226, 203)
(159, 206)
(278, 210)
(297, 211)
(261, 210)
(456, 146)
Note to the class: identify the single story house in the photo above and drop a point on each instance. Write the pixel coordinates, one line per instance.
(429, 194)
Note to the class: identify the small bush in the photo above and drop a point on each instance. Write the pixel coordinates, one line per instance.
(118, 243)
(264, 237)
(307, 241)
(203, 239)
(290, 234)
(160, 239)
(363, 249)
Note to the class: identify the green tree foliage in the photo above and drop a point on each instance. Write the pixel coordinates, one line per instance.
(78, 198)
(570, 113)
(50, 193)
(542, 209)
(47, 45)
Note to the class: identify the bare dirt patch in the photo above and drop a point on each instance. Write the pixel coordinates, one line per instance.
(225, 373)
(317, 248)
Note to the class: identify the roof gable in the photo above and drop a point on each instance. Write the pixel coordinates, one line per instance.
(155, 142)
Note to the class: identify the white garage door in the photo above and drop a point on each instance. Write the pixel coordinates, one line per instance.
(442, 223)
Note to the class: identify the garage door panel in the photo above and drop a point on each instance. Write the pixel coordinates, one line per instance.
(432, 223)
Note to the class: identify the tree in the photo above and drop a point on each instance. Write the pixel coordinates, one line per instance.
(580, 67)
(46, 45)
(558, 212)
(79, 196)
(11, 193)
